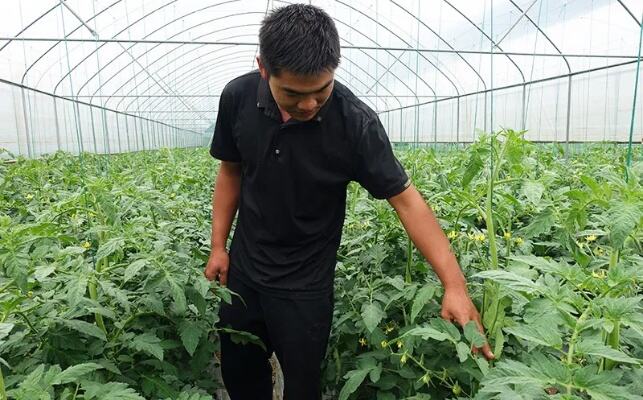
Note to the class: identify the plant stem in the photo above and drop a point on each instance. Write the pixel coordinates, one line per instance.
(614, 341)
(613, 258)
(3, 394)
(572, 342)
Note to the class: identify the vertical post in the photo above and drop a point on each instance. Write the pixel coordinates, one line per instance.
(435, 122)
(26, 118)
(569, 108)
(57, 124)
(105, 131)
(628, 162)
(523, 111)
(457, 121)
(91, 116)
(484, 126)
(118, 134)
(142, 134)
(401, 125)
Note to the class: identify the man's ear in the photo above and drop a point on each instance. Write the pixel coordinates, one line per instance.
(262, 68)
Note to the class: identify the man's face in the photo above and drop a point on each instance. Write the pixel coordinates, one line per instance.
(300, 96)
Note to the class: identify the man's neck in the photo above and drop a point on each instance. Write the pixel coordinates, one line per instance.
(285, 117)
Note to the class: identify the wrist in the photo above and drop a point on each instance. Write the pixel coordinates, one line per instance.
(218, 248)
(455, 284)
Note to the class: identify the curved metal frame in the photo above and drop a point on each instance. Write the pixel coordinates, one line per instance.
(185, 82)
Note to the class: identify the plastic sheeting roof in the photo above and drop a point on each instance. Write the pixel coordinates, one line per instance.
(169, 59)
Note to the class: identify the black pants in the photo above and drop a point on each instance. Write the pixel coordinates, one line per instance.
(296, 330)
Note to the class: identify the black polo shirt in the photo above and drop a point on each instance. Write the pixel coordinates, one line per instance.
(293, 182)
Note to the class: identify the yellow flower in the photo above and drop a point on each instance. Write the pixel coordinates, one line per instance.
(404, 358)
(480, 237)
(599, 275)
(456, 389)
(399, 344)
(362, 341)
(29, 196)
(426, 378)
(388, 329)
(172, 195)
(519, 241)
(86, 245)
(452, 235)
(591, 238)
(384, 343)
(507, 235)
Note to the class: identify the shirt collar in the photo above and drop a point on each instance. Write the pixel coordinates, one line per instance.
(270, 108)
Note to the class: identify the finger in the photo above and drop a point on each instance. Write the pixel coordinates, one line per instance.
(446, 315)
(487, 353)
(486, 349)
(223, 277)
(208, 275)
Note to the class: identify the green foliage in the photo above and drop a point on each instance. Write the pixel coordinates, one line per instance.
(102, 294)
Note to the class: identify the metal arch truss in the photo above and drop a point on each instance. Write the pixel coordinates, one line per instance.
(155, 102)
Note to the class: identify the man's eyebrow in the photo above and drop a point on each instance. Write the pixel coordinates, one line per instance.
(312, 91)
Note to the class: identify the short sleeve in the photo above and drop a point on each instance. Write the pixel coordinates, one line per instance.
(223, 146)
(376, 167)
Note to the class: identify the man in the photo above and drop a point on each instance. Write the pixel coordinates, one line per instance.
(290, 139)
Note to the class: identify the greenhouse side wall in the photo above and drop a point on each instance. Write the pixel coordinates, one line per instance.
(600, 111)
(36, 123)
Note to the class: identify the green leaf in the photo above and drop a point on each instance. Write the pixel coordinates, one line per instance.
(178, 294)
(148, 343)
(42, 272)
(423, 296)
(134, 269)
(540, 224)
(372, 315)
(72, 373)
(120, 296)
(375, 373)
(76, 288)
(109, 391)
(533, 191)
(190, 333)
(596, 348)
(473, 335)
(474, 165)
(510, 280)
(463, 351)
(427, 332)
(5, 329)
(623, 218)
(540, 263)
(83, 327)
(108, 248)
(355, 378)
(535, 333)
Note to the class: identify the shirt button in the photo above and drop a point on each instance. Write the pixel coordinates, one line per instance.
(277, 151)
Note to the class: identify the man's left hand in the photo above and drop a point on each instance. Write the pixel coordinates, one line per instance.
(458, 307)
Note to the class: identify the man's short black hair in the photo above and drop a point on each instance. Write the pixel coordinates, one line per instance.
(299, 38)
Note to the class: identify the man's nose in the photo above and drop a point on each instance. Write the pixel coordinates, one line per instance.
(308, 104)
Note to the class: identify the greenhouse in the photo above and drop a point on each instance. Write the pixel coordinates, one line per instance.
(519, 123)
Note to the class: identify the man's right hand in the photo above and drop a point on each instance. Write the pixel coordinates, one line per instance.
(217, 267)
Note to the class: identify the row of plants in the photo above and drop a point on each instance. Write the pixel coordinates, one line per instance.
(552, 248)
(102, 294)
